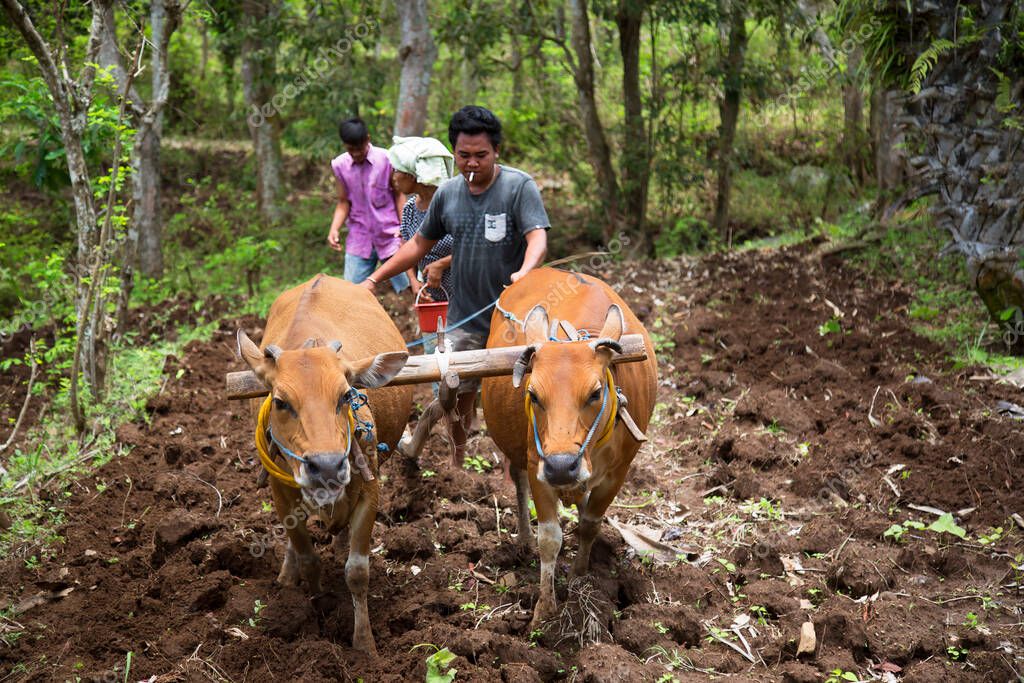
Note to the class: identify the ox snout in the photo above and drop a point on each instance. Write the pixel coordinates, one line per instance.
(327, 475)
(563, 469)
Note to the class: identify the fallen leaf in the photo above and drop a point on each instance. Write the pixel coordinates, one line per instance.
(644, 545)
(808, 640)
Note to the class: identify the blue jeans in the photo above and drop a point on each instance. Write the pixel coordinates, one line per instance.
(358, 269)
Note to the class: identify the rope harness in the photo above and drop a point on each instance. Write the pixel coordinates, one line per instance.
(609, 390)
(356, 425)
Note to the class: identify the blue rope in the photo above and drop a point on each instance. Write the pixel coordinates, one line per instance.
(357, 400)
(291, 454)
(449, 328)
(590, 434)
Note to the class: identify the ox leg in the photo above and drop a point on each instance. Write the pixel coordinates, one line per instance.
(357, 573)
(549, 542)
(591, 515)
(300, 558)
(522, 482)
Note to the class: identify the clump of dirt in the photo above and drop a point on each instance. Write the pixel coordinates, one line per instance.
(779, 457)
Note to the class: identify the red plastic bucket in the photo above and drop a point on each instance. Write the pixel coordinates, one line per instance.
(428, 311)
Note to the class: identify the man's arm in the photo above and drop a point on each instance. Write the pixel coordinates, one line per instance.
(536, 247)
(407, 256)
(341, 210)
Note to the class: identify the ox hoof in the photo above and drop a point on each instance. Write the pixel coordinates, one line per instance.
(288, 576)
(364, 644)
(526, 541)
(541, 617)
(579, 570)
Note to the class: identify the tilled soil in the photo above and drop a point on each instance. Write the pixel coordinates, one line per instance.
(780, 453)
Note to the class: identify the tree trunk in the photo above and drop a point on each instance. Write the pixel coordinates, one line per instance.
(970, 152)
(71, 100)
(164, 18)
(729, 110)
(204, 50)
(597, 145)
(259, 64)
(416, 54)
(517, 72)
(853, 117)
(886, 139)
(635, 150)
(228, 58)
(470, 83)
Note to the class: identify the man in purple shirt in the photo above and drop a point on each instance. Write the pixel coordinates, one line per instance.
(369, 203)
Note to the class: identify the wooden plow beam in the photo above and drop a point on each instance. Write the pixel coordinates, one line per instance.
(421, 369)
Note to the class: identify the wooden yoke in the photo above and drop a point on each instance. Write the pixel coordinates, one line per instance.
(422, 369)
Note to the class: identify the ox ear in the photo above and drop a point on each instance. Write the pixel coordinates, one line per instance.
(536, 326)
(522, 364)
(614, 324)
(261, 362)
(376, 371)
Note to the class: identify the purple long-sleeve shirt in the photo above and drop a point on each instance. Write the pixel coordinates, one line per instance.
(373, 221)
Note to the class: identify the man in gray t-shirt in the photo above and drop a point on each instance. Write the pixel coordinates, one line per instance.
(497, 220)
(489, 232)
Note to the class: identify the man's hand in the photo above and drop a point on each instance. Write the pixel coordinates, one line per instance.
(516, 276)
(332, 240)
(433, 272)
(369, 284)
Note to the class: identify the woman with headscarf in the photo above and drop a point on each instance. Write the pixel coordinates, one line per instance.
(420, 166)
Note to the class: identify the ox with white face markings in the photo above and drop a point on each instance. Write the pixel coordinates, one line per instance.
(328, 349)
(558, 420)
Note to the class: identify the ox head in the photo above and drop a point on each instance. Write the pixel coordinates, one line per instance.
(309, 388)
(568, 384)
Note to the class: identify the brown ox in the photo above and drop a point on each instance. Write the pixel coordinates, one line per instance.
(323, 338)
(567, 387)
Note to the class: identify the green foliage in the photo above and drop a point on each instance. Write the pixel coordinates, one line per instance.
(438, 664)
(838, 676)
(830, 326)
(926, 60)
(686, 235)
(32, 133)
(946, 525)
(53, 452)
(478, 464)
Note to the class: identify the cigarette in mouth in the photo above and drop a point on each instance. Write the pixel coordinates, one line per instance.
(471, 175)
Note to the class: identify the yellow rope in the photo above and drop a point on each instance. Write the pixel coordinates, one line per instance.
(263, 445)
(609, 426)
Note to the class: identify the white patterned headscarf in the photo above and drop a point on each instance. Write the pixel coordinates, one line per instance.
(426, 158)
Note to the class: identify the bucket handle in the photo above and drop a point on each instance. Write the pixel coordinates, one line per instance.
(447, 296)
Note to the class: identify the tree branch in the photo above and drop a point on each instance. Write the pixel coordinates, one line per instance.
(40, 50)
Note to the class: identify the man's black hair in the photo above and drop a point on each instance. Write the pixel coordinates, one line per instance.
(473, 120)
(353, 131)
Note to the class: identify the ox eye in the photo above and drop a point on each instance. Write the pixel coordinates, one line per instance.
(342, 400)
(594, 397)
(533, 397)
(281, 404)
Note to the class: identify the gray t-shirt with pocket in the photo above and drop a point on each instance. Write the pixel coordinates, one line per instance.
(488, 231)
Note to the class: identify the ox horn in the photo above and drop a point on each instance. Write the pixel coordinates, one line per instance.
(606, 342)
(335, 345)
(522, 364)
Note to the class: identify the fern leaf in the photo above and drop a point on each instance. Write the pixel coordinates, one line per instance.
(926, 60)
